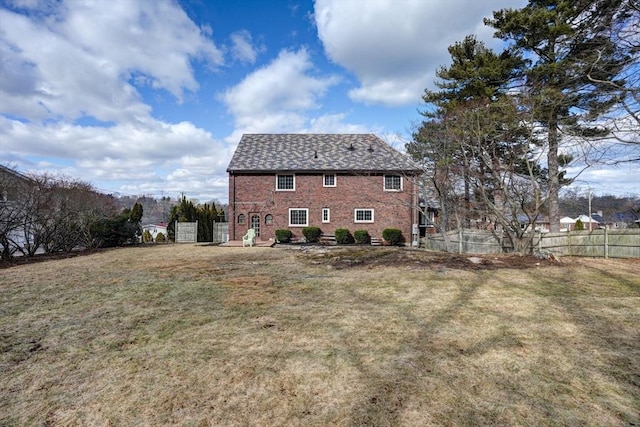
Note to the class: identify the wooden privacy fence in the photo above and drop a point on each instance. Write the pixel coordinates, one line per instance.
(607, 243)
(613, 243)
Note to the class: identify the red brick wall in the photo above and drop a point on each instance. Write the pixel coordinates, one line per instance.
(255, 194)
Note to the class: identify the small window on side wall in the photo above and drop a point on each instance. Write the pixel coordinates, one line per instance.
(268, 219)
(326, 215)
(241, 219)
(329, 180)
(285, 183)
(392, 183)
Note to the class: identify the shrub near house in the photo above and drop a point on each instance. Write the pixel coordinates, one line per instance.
(329, 181)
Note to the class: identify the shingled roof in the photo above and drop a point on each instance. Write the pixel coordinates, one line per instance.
(317, 152)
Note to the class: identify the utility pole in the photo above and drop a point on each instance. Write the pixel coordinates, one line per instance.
(590, 221)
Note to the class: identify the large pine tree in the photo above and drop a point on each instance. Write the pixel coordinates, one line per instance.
(562, 40)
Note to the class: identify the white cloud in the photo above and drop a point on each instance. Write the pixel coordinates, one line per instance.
(242, 48)
(394, 46)
(335, 123)
(620, 180)
(131, 159)
(61, 62)
(152, 139)
(277, 97)
(68, 64)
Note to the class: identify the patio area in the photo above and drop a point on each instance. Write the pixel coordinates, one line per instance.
(258, 243)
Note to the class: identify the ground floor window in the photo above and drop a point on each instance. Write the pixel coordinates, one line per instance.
(241, 219)
(363, 215)
(326, 215)
(298, 217)
(268, 219)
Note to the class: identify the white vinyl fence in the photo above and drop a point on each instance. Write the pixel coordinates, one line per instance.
(220, 232)
(186, 232)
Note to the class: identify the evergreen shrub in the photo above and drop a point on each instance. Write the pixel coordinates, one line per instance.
(283, 236)
(312, 234)
(343, 236)
(362, 237)
(392, 236)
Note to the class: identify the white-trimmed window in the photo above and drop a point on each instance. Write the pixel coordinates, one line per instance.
(363, 215)
(298, 217)
(329, 180)
(392, 183)
(268, 219)
(326, 215)
(286, 182)
(241, 219)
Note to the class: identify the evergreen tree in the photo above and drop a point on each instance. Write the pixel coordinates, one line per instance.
(562, 40)
(135, 217)
(475, 139)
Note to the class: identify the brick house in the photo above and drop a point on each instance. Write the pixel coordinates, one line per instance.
(289, 181)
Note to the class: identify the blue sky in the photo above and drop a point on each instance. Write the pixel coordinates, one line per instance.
(151, 97)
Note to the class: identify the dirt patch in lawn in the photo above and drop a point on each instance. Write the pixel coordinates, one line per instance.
(371, 257)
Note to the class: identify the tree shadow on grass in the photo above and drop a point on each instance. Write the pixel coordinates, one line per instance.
(392, 386)
(548, 377)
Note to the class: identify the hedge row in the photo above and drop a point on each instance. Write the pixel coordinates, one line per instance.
(392, 236)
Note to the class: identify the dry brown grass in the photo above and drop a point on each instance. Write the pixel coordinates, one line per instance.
(201, 335)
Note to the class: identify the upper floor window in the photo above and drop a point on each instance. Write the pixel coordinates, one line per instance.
(285, 182)
(329, 180)
(393, 183)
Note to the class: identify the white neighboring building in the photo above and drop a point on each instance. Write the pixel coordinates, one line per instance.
(586, 220)
(567, 223)
(156, 229)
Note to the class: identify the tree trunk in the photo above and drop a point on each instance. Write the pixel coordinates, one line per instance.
(554, 178)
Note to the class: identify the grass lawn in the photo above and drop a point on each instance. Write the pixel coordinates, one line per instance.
(201, 335)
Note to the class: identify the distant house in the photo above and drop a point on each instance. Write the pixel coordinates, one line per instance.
(14, 186)
(289, 181)
(625, 220)
(586, 220)
(155, 229)
(539, 224)
(567, 223)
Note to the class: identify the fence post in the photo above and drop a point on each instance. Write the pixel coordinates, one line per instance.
(606, 242)
(540, 242)
(460, 240)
